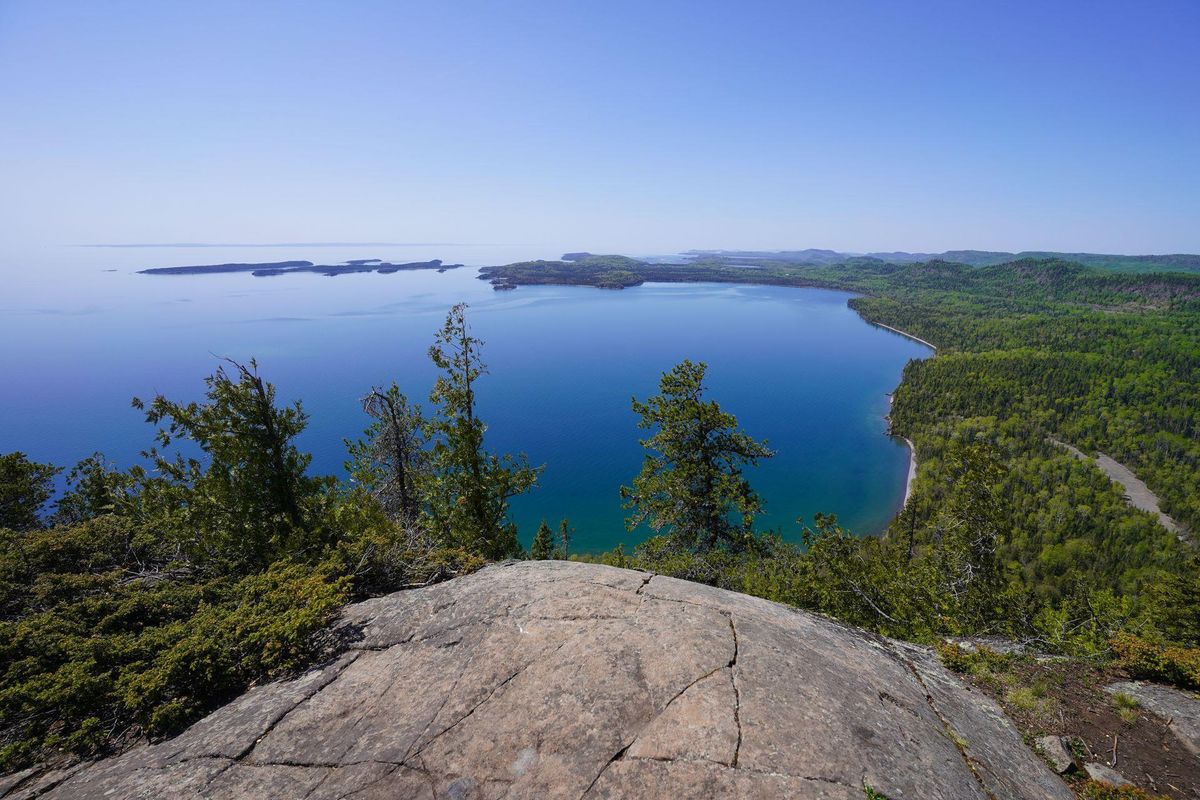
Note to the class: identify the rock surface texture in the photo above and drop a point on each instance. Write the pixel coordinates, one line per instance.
(554, 679)
(1056, 753)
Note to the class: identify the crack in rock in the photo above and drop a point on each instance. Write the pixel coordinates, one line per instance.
(228, 765)
(363, 707)
(952, 734)
(445, 701)
(620, 754)
(317, 690)
(387, 774)
(616, 757)
(477, 706)
(737, 694)
(36, 774)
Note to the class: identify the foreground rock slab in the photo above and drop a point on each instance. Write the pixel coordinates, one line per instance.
(562, 680)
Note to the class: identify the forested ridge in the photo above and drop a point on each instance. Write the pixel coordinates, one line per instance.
(1044, 361)
(143, 597)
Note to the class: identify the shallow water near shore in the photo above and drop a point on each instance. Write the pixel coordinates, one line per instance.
(797, 367)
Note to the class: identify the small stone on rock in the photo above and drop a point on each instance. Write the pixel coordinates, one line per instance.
(1056, 753)
(1104, 774)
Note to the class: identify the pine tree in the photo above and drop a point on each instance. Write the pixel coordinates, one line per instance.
(391, 460)
(543, 543)
(469, 489)
(968, 532)
(95, 488)
(565, 531)
(25, 486)
(246, 498)
(691, 483)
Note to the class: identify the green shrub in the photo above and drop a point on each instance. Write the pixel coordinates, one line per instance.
(1096, 790)
(955, 658)
(150, 655)
(982, 660)
(1146, 659)
(266, 627)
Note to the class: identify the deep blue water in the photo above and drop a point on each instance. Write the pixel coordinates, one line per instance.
(796, 366)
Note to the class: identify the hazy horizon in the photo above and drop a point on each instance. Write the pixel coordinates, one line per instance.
(623, 128)
(319, 245)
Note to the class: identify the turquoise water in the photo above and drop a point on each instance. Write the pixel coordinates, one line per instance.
(796, 366)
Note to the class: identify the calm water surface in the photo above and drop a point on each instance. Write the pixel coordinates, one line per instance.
(796, 366)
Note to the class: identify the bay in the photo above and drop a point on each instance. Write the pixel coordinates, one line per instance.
(797, 367)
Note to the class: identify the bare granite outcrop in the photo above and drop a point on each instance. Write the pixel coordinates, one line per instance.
(563, 680)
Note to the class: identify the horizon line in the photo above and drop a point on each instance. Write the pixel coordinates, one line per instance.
(291, 244)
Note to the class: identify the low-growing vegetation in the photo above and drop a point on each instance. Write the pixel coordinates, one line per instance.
(1096, 790)
(1144, 658)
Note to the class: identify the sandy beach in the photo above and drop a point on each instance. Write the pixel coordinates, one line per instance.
(912, 455)
(912, 451)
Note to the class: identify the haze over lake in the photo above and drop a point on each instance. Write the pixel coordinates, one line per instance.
(796, 366)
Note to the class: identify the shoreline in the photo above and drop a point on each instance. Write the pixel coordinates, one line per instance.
(912, 458)
(911, 477)
(904, 333)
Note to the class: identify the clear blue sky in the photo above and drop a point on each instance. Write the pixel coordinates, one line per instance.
(634, 126)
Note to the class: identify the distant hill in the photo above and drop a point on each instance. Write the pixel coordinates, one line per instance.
(1182, 262)
(809, 256)
(1176, 262)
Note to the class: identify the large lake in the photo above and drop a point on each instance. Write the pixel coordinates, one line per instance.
(796, 366)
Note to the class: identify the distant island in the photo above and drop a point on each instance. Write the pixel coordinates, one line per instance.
(273, 268)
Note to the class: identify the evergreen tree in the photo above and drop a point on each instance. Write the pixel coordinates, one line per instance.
(95, 488)
(392, 460)
(469, 489)
(1175, 602)
(247, 504)
(543, 543)
(25, 486)
(691, 483)
(968, 533)
(565, 531)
